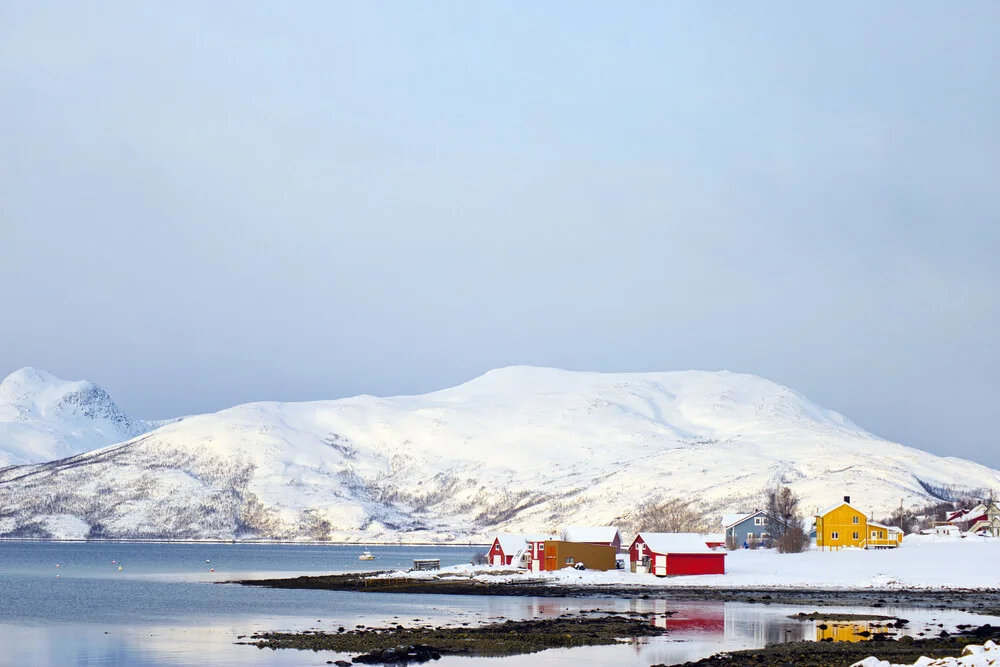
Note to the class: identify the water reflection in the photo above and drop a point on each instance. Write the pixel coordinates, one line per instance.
(843, 631)
(694, 630)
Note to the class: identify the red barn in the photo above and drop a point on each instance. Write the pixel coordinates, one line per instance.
(603, 535)
(672, 554)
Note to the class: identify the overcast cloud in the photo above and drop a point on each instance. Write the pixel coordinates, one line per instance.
(203, 204)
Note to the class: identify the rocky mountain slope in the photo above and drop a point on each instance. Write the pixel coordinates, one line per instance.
(44, 418)
(519, 449)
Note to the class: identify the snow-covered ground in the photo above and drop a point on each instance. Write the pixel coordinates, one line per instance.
(922, 562)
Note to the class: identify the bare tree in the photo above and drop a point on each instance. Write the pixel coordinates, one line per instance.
(783, 509)
(668, 516)
(479, 557)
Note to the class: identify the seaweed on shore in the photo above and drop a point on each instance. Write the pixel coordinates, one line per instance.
(418, 644)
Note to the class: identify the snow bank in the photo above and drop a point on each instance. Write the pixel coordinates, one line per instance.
(972, 656)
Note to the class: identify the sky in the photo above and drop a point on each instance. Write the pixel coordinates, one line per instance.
(204, 204)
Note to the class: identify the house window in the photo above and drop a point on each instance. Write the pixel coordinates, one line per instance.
(760, 521)
(856, 536)
(854, 519)
(834, 535)
(570, 560)
(750, 535)
(881, 534)
(874, 534)
(765, 536)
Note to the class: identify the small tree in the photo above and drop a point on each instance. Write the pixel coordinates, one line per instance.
(793, 541)
(480, 557)
(731, 542)
(753, 542)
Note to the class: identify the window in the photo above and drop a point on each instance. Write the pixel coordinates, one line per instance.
(881, 534)
(760, 521)
(856, 536)
(834, 535)
(570, 560)
(750, 535)
(765, 536)
(854, 519)
(874, 534)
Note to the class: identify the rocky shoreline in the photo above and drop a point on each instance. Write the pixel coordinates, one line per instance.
(416, 644)
(904, 650)
(979, 601)
(398, 644)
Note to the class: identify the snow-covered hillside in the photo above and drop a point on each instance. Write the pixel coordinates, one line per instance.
(44, 418)
(519, 449)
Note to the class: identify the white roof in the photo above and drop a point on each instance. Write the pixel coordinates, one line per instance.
(714, 537)
(827, 510)
(602, 534)
(733, 519)
(512, 543)
(675, 543)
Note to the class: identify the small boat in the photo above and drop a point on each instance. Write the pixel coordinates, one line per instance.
(366, 555)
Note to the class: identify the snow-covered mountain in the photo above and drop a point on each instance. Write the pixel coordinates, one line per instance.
(519, 449)
(44, 418)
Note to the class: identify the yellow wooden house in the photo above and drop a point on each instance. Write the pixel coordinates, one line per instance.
(843, 525)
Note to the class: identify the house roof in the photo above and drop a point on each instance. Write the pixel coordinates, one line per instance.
(827, 510)
(729, 520)
(602, 534)
(675, 543)
(714, 537)
(512, 543)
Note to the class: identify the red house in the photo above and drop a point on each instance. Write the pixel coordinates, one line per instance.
(510, 549)
(672, 554)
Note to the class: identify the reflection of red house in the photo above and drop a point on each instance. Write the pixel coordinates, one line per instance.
(694, 619)
(674, 554)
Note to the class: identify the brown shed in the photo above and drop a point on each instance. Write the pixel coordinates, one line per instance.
(559, 554)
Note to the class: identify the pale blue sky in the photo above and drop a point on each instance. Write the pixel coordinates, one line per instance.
(204, 204)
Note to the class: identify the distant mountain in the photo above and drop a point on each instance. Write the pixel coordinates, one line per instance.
(44, 418)
(519, 449)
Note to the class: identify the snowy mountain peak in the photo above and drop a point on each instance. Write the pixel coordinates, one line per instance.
(519, 450)
(43, 417)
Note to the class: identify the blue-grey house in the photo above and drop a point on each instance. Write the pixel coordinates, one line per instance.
(743, 528)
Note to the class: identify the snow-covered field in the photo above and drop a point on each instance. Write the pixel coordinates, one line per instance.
(922, 562)
(519, 450)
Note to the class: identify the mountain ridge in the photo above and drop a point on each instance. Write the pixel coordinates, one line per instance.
(43, 417)
(520, 449)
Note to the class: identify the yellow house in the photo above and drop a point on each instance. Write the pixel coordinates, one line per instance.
(844, 525)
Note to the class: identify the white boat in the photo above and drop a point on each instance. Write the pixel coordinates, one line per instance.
(366, 555)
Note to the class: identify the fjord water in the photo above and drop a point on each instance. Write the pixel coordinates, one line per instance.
(70, 604)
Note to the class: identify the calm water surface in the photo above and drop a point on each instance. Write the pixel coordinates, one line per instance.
(159, 604)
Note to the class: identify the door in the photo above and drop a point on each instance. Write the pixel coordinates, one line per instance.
(497, 559)
(660, 565)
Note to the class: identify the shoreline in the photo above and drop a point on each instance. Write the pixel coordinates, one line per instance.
(150, 540)
(978, 601)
